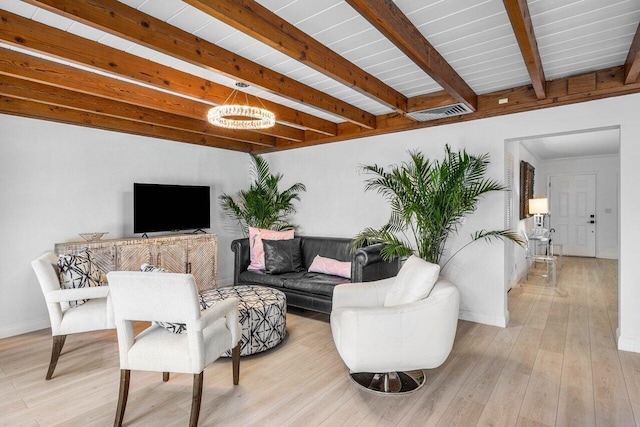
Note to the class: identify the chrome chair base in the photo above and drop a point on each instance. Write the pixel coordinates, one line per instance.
(389, 382)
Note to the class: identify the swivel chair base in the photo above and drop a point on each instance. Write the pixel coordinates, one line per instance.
(389, 382)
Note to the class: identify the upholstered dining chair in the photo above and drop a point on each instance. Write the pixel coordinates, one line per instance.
(170, 298)
(93, 315)
(387, 342)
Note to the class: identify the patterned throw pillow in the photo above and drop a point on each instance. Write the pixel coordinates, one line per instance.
(176, 328)
(78, 271)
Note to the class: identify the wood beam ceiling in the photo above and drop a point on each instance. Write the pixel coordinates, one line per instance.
(632, 64)
(518, 12)
(44, 94)
(123, 21)
(34, 36)
(26, 108)
(394, 25)
(134, 95)
(581, 88)
(260, 23)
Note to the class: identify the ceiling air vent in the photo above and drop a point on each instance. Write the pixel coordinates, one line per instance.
(440, 112)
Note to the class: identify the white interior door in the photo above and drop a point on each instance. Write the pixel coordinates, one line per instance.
(572, 209)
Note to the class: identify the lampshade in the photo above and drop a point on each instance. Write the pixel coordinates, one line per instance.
(539, 206)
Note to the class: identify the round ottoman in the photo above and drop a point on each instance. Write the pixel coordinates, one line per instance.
(263, 315)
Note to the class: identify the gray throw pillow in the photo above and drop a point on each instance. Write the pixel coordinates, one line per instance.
(282, 256)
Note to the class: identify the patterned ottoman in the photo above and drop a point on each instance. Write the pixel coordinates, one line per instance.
(263, 315)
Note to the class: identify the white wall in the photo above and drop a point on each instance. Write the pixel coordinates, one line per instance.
(606, 169)
(335, 203)
(58, 180)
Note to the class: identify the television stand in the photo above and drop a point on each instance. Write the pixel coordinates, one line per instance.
(187, 253)
(197, 231)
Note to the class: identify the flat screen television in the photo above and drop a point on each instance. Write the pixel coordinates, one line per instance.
(161, 207)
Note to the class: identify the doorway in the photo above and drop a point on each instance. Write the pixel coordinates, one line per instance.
(572, 213)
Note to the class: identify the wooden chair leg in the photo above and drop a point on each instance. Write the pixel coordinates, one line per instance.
(58, 343)
(165, 376)
(235, 356)
(196, 399)
(125, 375)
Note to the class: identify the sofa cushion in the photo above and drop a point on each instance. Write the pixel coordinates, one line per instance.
(282, 256)
(415, 280)
(262, 278)
(336, 248)
(314, 283)
(255, 244)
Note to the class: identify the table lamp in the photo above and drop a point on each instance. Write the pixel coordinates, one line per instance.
(539, 208)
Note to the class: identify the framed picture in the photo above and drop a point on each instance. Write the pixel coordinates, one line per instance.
(527, 175)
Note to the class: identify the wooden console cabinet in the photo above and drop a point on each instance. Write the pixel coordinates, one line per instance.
(187, 253)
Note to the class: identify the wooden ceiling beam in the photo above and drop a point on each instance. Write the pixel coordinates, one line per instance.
(32, 109)
(599, 84)
(260, 23)
(34, 36)
(520, 18)
(44, 94)
(27, 67)
(395, 26)
(123, 21)
(632, 64)
(430, 100)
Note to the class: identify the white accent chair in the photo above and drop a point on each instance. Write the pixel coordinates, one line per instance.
(378, 343)
(94, 315)
(170, 297)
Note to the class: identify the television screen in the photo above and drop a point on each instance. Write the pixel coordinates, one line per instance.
(160, 207)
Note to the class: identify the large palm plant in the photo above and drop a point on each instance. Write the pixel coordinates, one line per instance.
(262, 205)
(429, 199)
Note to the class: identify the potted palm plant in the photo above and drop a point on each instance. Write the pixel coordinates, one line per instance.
(429, 200)
(263, 205)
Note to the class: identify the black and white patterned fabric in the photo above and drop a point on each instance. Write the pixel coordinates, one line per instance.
(148, 268)
(176, 328)
(263, 315)
(78, 271)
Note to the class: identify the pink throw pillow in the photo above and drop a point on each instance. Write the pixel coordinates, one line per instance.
(331, 266)
(256, 250)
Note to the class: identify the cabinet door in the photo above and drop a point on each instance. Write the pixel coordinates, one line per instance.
(103, 255)
(130, 257)
(105, 258)
(202, 263)
(172, 256)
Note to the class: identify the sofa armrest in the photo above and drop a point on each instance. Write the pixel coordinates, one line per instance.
(367, 264)
(241, 258)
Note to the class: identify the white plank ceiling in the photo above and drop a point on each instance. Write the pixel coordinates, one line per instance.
(474, 36)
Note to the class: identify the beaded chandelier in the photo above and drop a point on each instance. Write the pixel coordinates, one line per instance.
(239, 116)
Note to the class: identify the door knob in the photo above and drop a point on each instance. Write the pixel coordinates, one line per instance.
(591, 222)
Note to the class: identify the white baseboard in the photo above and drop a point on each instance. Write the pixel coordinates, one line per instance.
(23, 328)
(628, 344)
(471, 316)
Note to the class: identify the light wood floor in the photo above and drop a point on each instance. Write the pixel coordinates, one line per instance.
(556, 364)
